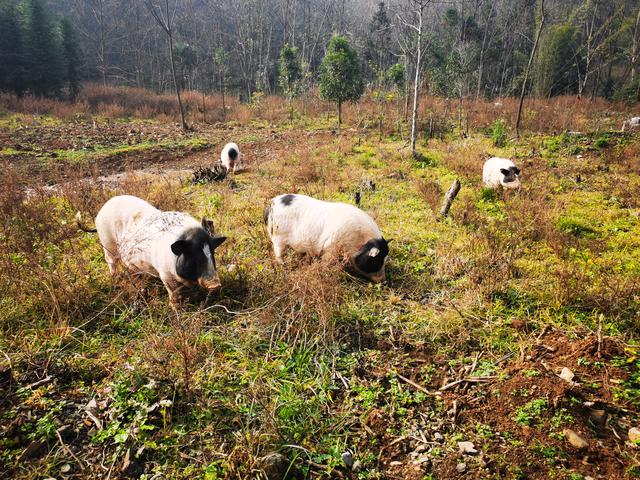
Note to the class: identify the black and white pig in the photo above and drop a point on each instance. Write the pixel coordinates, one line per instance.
(231, 158)
(321, 228)
(170, 245)
(500, 171)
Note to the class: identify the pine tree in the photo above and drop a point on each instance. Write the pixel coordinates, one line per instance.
(377, 52)
(43, 56)
(290, 74)
(341, 74)
(71, 56)
(11, 48)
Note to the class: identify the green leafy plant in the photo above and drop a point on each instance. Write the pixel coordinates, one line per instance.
(530, 413)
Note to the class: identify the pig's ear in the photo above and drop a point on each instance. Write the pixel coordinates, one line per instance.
(207, 225)
(217, 241)
(517, 170)
(504, 171)
(179, 247)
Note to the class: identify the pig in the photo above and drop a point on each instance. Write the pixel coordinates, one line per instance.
(631, 125)
(319, 228)
(500, 171)
(172, 246)
(231, 158)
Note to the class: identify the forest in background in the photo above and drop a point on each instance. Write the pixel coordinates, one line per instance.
(472, 48)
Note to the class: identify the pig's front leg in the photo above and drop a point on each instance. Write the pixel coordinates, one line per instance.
(174, 288)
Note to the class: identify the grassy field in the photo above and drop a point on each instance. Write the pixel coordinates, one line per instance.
(305, 371)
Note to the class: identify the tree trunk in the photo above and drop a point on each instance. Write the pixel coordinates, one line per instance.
(175, 79)
(416, 86)
(339, 115)
(450, 196)
(634, 49)
(526, 74)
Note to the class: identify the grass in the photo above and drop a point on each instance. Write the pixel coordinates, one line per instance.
(306, 361)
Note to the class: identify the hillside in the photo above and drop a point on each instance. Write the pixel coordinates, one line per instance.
(512, 324)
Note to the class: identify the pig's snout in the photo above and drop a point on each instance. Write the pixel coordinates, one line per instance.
(378, 277)
(213, 285)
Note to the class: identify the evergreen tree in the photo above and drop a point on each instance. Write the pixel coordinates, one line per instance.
(11, 48)
(378, 52)
(341, 74)
(289, 74)
(71, 56)
(43, 56)
(554, 69)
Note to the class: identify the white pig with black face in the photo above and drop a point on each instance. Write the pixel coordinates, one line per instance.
(500, 171)
(231, 158)
(170, 245)
(321, 228)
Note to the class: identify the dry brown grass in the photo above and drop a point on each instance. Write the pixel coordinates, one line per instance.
(437, 116)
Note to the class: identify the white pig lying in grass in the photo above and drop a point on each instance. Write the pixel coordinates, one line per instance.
(231, 158)
(170, 245)
(500, 171)
(322, 228)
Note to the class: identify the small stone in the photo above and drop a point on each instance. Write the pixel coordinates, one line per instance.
(438, 437)
(634, 434)
(274, 465)
(589, 478)
(567, 375)
(66, 468)
(232, 268)
(395, 463)
(574, 439)
(467, 448)
(598, 416)
(421, 460)
(357, 466)
(423, 447)
(461, 467)
(347, 458)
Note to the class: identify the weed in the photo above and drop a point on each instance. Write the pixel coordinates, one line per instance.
(530, 413)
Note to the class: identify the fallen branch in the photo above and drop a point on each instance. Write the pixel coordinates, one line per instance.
(415, 385)
(468, 380)
(68, 450)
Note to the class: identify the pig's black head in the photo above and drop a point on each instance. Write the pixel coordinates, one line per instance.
(233, 153)
(510, 177)
(195, 260)
(369, 261)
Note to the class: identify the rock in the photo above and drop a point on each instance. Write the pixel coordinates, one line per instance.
(347, 458)
(232, 268)
(467, 448)
(66, 468)
(274, 465)
(130, 467)
(395, 463)
(461, 467)
(438, 437)
(423, 447)
(34, 449)
(421, 460)
(574, 439)
(634, 434)
(597, 416)
(357, 466)
(567, 375)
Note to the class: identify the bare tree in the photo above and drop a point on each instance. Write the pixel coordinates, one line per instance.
(528, 70)
(419, 7)
(166, 20)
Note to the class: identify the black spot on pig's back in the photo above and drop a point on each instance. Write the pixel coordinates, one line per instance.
(287, 200)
